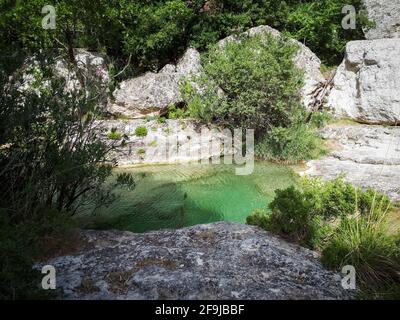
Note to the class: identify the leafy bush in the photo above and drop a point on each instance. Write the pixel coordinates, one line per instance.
(347, 224)
(337, 198)
(252, 83)
(303, 215)
(141, 131)
(54, 163)
(175, 112)
(161, 119)
(293, 217)
(260, 218)
(114, 134)
(293, 144)
(320, 119)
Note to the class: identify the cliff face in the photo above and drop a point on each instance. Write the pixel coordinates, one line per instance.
(214, 261)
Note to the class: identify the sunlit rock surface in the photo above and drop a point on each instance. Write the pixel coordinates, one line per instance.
(214, 261)
(367, 156)
(386, 16)
(367, 83)
(173, 141)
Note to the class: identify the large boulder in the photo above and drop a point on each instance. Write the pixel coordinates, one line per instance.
(386, 16)
(90, 70)
(367, 83)
(213, 261)
(153, 92)
(305, 60)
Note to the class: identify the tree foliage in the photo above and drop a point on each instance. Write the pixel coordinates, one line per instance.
(251, 83)
(154, 32)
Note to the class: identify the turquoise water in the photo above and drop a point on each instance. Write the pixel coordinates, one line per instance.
(175, 196)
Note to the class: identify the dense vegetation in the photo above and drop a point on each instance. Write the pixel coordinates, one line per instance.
(52, 162)
(153, 32)
(254, 83)
(348, 225)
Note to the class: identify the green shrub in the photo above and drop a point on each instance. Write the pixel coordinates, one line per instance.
(260, 218)
(161, 119)
(175, 112)
(293, 217)
(320, 119)
(141, 152)
(337, 198)
(347, 224)
(114, 134)
(252, 83)
(141, 131)
(291, 145)
(304, 216)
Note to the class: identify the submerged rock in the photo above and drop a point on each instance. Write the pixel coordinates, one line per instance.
(214, 261)
(367, 156)
(367, 83)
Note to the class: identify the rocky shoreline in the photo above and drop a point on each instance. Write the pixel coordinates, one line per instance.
(214, 261)
(367, 156)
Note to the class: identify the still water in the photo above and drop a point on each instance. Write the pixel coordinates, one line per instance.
(175, 196)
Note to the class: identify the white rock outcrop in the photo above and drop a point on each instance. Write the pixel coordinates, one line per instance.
(91, 66)
(368, 156)
(367, 84)
(386, 16)
(305, 60)
(174, 141)
(152, 92)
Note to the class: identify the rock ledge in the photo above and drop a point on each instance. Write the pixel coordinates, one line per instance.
(213, 261)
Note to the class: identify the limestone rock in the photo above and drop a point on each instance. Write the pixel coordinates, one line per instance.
(305, 60)
(174, 141)
(386, 15)
(367, 83)
(92, 66)
(368, 156)
(213, 261)
(152, 92)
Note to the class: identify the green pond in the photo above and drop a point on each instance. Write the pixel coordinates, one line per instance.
(175, 196)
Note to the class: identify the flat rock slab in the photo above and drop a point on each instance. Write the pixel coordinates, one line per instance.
(367, 156)
(213, 261)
